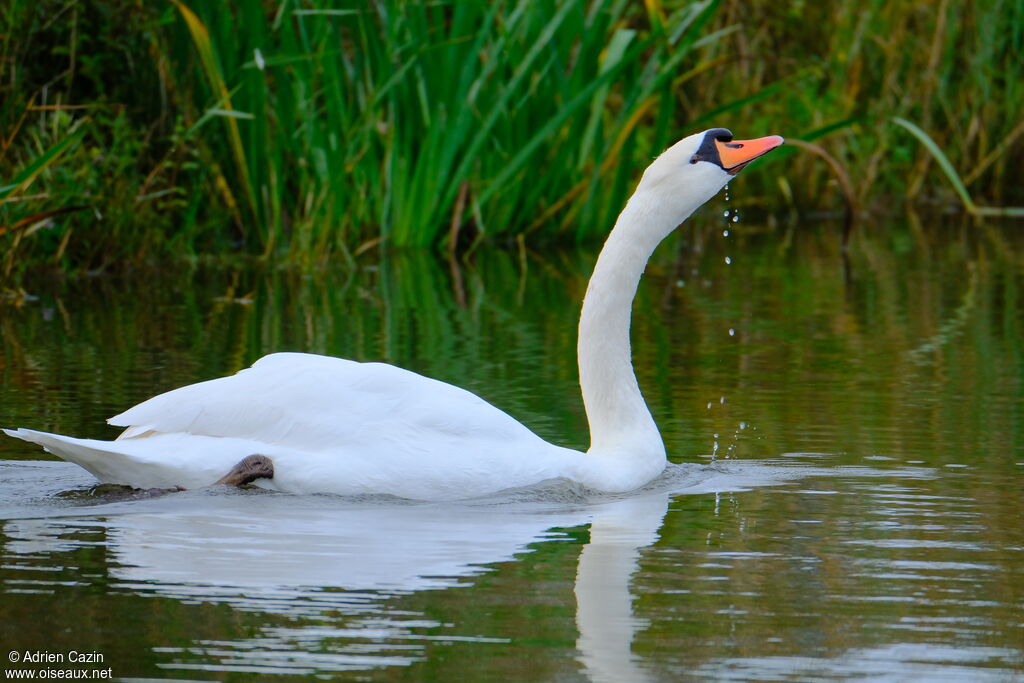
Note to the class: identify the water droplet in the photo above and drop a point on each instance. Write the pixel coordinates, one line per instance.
(725, 233)
(728, 260)
(732, 332)
(726, 214)
(709, 405)
(680, 283)
(743, 425)
(721, 400)
(716, 436)
(735, 219)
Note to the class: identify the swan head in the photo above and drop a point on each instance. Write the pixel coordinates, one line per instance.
(694, 169)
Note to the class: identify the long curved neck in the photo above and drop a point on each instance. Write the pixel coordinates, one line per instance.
(619, 419)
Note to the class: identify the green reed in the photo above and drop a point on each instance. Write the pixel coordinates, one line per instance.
(405, 122)
(299, 129)
(951, 68)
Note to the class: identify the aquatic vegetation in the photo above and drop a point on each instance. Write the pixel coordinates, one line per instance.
(954, 177)
(406, 122)
(302, 130)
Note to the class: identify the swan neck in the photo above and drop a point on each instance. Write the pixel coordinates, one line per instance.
(618, 416)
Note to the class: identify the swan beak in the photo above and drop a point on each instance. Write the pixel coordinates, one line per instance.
(736, 154)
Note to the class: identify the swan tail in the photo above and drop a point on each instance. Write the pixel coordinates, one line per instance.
(128, 462)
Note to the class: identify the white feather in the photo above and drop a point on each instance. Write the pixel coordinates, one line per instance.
(329, 425)
(337, 426)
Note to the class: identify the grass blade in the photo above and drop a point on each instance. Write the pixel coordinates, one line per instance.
(953, 176)
(40, 163)
(211, 67)
(942, 160)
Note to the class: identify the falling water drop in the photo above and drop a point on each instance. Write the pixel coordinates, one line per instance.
(732, 332)
(726, 214)
(736, 219)
(725, 233)
(721, 400)
(709, 405)
(728, 260)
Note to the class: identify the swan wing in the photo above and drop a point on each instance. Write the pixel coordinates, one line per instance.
(312, 402)
(330, 426)
(338, 426)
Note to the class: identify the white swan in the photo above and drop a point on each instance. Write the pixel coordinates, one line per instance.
(329, 425)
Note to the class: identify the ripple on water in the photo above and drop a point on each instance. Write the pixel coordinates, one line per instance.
(889, 662)
(327, 565)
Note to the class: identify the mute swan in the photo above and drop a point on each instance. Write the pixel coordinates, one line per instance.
(326, 425)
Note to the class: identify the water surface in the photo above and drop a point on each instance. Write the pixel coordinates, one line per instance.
(847, 433)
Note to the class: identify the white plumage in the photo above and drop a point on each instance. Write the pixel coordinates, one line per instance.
(338, 426)
(329, 425)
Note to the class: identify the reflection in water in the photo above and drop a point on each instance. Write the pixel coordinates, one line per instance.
(604, 602)
(882, 405)
(335, 568)
(318, 556)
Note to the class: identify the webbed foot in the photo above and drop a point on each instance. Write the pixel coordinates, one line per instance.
(110, 493)
(248, 470)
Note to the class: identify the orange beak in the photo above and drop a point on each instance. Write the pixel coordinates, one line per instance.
(738, 153)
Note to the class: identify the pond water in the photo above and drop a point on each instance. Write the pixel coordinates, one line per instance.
(846, 428)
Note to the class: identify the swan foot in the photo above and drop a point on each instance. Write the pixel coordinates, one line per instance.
(248, 470)
(112, 493)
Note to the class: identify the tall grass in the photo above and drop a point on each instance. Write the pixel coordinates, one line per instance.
(953, 69)
(298, 129)
(403, 121)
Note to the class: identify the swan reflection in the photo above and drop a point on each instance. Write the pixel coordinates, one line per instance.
(604, 602)
(307, 556)
(341, 562)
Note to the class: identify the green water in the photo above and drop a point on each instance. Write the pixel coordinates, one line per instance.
(847, 433)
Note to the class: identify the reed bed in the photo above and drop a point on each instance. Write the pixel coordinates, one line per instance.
(952, 69)
(407, 122)
(297, 130)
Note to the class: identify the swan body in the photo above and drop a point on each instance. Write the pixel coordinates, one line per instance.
(331, 425)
